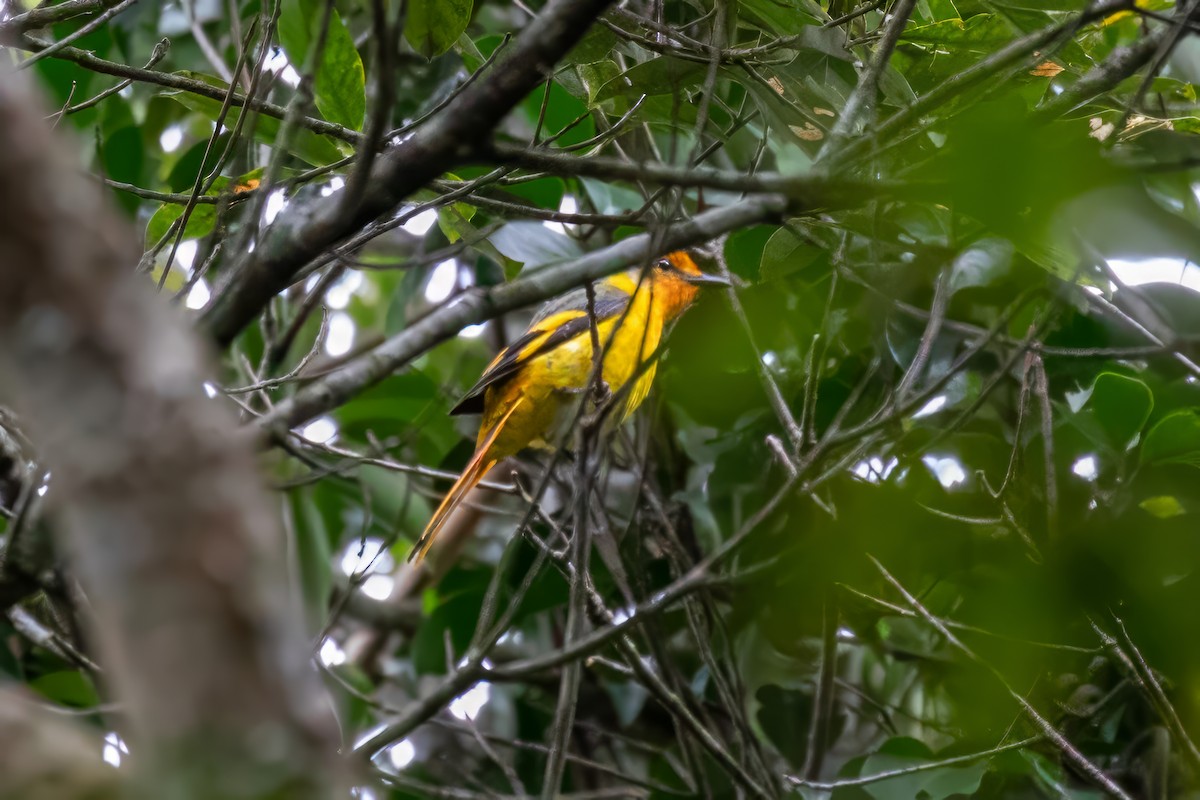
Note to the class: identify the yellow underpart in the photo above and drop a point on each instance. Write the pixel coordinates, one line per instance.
(552, 384)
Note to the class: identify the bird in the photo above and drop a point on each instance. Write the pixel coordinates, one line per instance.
(529, 393)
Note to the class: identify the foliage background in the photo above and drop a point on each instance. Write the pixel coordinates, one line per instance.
(911, 512)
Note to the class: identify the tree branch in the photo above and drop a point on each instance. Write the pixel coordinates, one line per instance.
(479, 306)
(444, 141)
(90, 61)
(168, 527)
(806, 192)
(50, 15)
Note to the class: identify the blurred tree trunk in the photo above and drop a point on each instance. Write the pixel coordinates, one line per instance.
(157, 500)
(48, 757)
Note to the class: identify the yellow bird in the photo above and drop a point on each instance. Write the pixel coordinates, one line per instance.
(529, 393)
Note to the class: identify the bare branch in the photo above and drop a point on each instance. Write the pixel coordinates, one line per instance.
(447, 139)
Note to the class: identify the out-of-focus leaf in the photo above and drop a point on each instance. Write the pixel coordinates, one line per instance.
(339, 88)
(68, 688)
(314, 555)
(983, 263)
(1163, 506)
(911, 637)
(453, 620)
(1020, 179)
(744, 250)
(123, 159)
(785, 253)
(934, 784)
(1121, 405)
(782, 714)
(200, 222)
(628, 699)
(904, 338)
(399, 399)
(433, 26)
(981, 32)
(1174, 439)
(183, 175)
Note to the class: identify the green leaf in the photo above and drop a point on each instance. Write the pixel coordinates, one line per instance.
(544, 192)
(934, 784)
(311, 147)
(781, 17)
(663, 75)
(980, 32)
(1121, 405)
(596, 45)
(785, 254)
(123, 159)
(456, 225)
(611, 199)
(1164, 506)
(453, 622)
(313, 553)
(433, 26)
(560, 113)
(1175, 439)
(534, 245)
(595, 76)
(982, 264)
(183, 175)
(339, 87)
(68, 688)
(744, 249)
(200, 223)
(406, 398)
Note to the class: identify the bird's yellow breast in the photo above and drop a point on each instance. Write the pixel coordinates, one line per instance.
(550, 386)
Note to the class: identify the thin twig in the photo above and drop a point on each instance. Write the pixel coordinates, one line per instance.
(1051, 733)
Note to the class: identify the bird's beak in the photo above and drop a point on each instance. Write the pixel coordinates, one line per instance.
(704, 279)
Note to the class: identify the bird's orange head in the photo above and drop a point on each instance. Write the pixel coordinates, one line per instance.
(677, 280)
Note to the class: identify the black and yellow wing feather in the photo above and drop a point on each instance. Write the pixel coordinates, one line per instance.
(557, 323)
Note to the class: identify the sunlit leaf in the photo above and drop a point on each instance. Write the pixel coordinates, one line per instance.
(340, 85)
(433, 26)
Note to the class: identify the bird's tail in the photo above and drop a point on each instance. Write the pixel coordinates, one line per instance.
(472, 474)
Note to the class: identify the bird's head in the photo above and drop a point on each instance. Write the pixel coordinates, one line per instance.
(677, 280)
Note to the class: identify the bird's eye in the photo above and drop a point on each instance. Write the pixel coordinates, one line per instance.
(665, 263)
